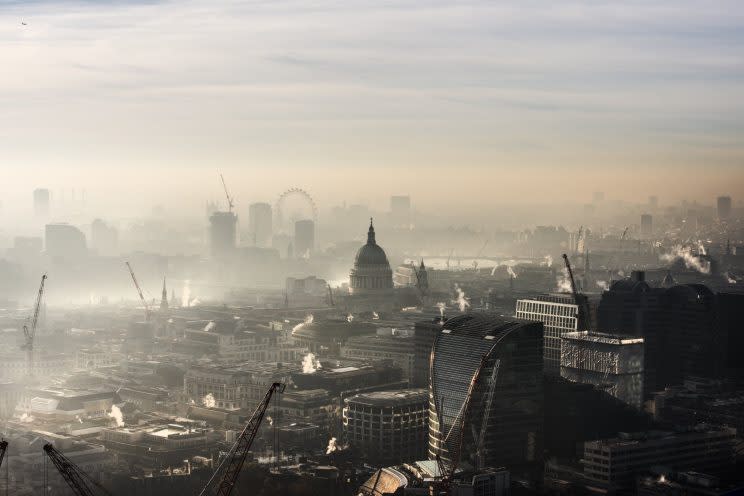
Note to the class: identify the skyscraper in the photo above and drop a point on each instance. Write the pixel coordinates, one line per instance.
(260, 224)
(559, 314)
(304, 243)
(486, 392)
(646, 226)
(223, 234)
(724, 207)
(64, 242)
(41, 202)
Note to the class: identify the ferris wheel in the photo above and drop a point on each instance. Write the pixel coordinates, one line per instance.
(293, 205)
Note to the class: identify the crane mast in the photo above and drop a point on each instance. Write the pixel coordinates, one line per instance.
(3, 449)
(30, 334)
(139, 292)
(580, 302)
(235, 460)
(230, 203)
(81, 483)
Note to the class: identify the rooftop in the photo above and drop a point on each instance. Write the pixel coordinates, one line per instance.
(391, 398)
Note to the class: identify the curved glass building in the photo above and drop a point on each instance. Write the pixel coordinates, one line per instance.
(485, 392)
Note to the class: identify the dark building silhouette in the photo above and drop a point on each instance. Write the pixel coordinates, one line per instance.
(223, 234)
(304, 238)
(371, 273)
(41, 202)
(723, 205)
(486, 392)
(260, 224)
(64, 242)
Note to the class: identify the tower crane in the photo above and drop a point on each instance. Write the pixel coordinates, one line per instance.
(81, 483)
(3, 449)
(233, 463)
(419, 284)
(480, 252)
(139, 292)
(480, 446)
(30, 334)
(230, 203)
(625, 233)
(581, 303)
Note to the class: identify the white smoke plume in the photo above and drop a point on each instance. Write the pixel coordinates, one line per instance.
(333, 446)
(563, 282)
(493, 270)
(730, 279)
(691, 261)
(548, 260)
(349, 318)
(511, 272)
(375, 316)
(194, 302)
(603, 285)
(701, 248)
(441, 306)
(308, 320)
(210, 326)
(77, 417)
(462, 301)
(310, 364)
(116, 414)
(186, 294)
(209, 401)
(26, 418)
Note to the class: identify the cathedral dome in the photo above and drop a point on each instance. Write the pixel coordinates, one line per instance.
(371, 271)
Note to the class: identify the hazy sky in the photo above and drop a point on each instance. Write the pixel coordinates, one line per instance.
(508, 100)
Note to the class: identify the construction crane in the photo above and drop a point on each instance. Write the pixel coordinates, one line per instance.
(3, 449)
(330, 296)
(230, 203)
(419, 285)
(480, 252)
(81, 483)
(625, 233)
(30, 334)
(581, 303)
(139, 292)
(232, 464)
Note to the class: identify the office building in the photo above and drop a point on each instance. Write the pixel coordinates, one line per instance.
(398, 348)
(724, 207)
(304, 238)
(486, 393)
(104, 239)
(610, 362)
(42, 202)
(64, 242)
(559, 314)
(616, 462)
(425, 333)
(223, 234)
(646, 226)
(388, 427)
(260, 225)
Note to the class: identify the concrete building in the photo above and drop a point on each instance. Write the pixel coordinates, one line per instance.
(723, 205)
(231, 388)
(486, 393)
(610, 362)
(326, 336)
(260, 224)
(389, 427)
(304, 238)
(104, 239)
(559, 314)
(616, 462)
(395, 347)
(95, 358)
(223, 237)
(64, 242)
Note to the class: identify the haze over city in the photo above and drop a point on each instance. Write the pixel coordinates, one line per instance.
(371, 248)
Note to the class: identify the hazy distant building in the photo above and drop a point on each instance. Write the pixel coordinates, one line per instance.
(304, 238)
(598, 196)
(724, 207)
(400, 210)
(63, 241)
(653, 202)
(559, 314)
(260, 224)
(371, 273)
(488, 366)
(646, 226)
(103, 238)
(223, 234)
(610, 362)
(387, 426)
(41, 202)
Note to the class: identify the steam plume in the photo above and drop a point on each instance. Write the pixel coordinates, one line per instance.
(209, 401)
(310, 364)
(691, 261)
(116, 414)
(462, 301)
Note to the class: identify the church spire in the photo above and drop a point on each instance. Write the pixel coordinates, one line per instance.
(164, 298)
(371, 233)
